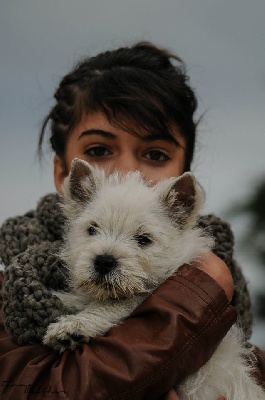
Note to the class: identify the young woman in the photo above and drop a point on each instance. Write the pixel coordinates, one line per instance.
(128, 109)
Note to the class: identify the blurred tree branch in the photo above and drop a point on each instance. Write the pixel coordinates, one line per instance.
(254, 206)
(254, 235)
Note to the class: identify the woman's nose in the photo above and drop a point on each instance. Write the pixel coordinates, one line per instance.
(127, 163)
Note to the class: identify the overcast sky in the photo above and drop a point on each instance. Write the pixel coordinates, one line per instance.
(221, 41)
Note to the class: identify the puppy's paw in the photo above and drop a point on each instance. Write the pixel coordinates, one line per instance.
(67, 333)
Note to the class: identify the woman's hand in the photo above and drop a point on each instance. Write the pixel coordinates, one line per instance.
(219, 271)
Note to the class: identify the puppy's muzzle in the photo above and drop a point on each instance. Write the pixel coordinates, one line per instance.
(104, 263)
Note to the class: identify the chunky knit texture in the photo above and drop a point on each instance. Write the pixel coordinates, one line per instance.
(29, 247)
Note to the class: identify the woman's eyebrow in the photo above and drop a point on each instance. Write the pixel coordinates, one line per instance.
(144, 138)
(100, 132)
(155, 136)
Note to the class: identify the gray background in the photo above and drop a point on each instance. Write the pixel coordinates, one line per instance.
(222, 43)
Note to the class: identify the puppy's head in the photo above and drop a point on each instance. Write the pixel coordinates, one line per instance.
(123, 233)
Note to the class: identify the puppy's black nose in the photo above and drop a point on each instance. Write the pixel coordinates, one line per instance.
(104, 263)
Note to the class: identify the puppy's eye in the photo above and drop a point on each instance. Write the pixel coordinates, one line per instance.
(143, 240)
(92, 230)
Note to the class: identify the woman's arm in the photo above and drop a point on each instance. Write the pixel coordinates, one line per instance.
(217, 269)
(170, 335)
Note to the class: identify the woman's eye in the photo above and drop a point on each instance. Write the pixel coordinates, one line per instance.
(97, 151)
(156, 155)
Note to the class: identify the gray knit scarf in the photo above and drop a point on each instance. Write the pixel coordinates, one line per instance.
(29, 245)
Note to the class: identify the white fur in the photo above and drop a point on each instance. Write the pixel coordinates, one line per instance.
(225, 374)
(122, 209)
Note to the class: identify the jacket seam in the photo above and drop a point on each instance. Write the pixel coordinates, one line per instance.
(214, 309)
(180, 354)
(203, 291)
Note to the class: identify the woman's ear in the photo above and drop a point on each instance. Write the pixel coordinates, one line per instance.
(59, 173)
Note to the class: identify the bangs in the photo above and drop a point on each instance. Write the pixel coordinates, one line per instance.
(138, 90)
(123, 95)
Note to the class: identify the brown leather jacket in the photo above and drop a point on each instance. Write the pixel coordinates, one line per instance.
(170, 335)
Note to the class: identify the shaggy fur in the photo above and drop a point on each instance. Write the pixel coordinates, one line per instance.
(123, 239)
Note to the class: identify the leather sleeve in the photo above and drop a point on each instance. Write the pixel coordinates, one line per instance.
(170, 335)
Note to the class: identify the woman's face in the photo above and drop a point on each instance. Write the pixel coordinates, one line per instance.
(101, 144)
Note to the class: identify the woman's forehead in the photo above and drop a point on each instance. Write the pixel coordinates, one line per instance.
(98, 123)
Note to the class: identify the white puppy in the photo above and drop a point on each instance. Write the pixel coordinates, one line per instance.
(123, 238)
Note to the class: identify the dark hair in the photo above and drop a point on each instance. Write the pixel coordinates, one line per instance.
(132, 86)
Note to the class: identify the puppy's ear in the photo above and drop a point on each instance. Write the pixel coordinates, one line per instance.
(81, 181)
(182, 199)
(79, 186)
